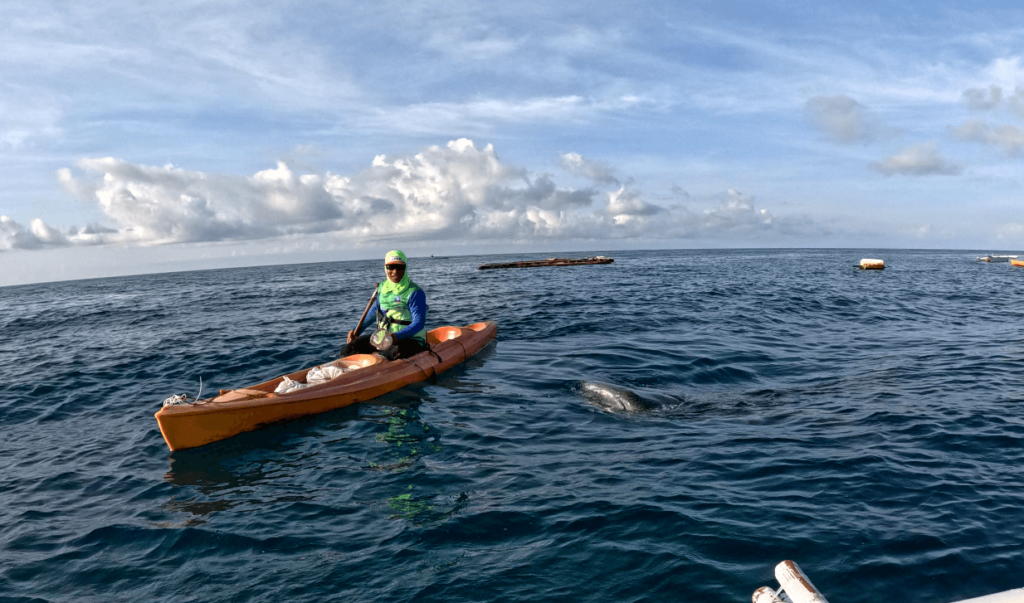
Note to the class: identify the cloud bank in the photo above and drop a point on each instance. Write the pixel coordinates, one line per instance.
(919, 160)
(455, 192)
(981, 99)
(841, 118)
(576, 164)
(1006, 137)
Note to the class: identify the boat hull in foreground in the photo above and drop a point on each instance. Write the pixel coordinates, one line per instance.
(369, 376)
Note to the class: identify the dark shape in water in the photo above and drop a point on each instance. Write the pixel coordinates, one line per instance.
(613, 399)
(598, 259)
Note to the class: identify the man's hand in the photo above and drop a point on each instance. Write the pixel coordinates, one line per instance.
(351, 335)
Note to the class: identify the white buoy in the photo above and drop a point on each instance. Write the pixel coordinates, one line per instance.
(765, 595)
(870, 264)
(793, 582)
(796, 584)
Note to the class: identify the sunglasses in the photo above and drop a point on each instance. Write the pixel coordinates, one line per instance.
(398, 267)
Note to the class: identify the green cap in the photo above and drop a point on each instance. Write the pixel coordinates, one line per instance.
(394, 257)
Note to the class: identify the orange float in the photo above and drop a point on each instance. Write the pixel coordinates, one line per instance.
(367, 376)
(1017, 262)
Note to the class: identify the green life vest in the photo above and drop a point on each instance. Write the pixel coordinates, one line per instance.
(394, 314)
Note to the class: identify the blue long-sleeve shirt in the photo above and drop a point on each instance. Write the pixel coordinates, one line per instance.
(418, 309)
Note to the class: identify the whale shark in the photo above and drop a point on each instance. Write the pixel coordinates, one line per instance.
(613, 399)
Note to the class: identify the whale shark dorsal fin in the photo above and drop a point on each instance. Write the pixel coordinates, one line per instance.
(613, 398)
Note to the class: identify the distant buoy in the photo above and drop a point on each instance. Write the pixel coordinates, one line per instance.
(869, 264)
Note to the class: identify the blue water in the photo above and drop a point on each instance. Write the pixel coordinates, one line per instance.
(865, 424)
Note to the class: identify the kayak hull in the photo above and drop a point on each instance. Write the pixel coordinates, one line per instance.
(237, 411)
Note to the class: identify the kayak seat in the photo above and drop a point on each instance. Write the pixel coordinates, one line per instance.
(357, 361)
(441, 334)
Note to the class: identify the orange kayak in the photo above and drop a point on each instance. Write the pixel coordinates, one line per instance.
(366, 377)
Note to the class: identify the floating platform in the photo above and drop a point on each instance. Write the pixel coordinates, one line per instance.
(598, 259)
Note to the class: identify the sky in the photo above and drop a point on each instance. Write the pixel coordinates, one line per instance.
(153, 137)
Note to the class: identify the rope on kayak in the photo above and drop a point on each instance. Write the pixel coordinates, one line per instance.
(178, 399)
(175, 400)
(433, 374)
(436, 355)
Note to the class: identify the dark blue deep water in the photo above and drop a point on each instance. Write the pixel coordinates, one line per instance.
(867, 425)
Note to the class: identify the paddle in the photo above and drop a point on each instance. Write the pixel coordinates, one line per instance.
(369, 304)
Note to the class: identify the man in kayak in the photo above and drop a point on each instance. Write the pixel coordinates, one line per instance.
(400, 309)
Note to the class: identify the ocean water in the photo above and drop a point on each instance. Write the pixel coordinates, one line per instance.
(664, 428)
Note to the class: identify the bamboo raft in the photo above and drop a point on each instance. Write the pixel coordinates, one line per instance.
(600, 259)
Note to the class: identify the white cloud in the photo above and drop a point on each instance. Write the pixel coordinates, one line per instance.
(40, 235)
(919, 160)
(166, 204)
(574, 163)
(455, 192)
(47, 235)
(10, 232)
(627, 208)
(78, 188)
(735, 211)
(1009, 138)
(841, 118)
(37, 236)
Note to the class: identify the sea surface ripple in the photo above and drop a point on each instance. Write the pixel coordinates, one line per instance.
(865, 424)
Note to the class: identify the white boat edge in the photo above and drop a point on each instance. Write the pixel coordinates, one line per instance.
(798, 589)
(1010, 596)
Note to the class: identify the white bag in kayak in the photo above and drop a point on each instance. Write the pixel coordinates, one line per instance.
(323, 374)
(289, 385)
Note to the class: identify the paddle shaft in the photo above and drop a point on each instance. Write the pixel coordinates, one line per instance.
(369, 304)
